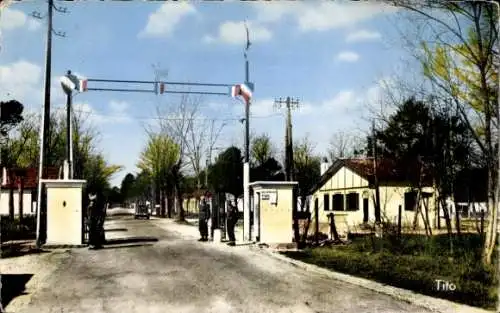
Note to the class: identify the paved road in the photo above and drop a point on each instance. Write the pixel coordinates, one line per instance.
(182, 275)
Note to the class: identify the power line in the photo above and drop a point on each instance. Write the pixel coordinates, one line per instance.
(164, 118)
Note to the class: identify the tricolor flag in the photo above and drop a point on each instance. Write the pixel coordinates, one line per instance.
(244, 90)
(82, 85)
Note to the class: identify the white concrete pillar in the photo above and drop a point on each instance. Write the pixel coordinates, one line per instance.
(246, 203)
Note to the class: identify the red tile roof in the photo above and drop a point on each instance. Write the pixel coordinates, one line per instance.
(388, 171)
(30, 177)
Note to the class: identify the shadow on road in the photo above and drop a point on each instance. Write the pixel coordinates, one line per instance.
(115, 230)
(117, 241)
(13, 285)
(129, 246)
(12, 251)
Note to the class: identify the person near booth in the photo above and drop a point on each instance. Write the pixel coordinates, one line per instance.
(203, 217)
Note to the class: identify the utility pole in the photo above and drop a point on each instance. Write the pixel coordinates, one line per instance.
(45, 123)
(289, 104)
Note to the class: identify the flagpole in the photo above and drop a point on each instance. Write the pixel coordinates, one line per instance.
(247, 234)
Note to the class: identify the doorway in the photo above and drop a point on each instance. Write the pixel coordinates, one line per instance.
(365, 210)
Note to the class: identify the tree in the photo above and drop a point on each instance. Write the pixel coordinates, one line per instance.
(226, 175)
(261, 149)
(159, 158)
(10, 115)
(306, 173)
(127, 187)
(178, 124)
(420, 131)
(343, 145)
(461, 62)
(307, 168)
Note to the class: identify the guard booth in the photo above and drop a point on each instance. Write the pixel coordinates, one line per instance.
(65, 216)
(274, 203)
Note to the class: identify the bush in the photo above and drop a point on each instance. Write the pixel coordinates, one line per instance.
(15, 230)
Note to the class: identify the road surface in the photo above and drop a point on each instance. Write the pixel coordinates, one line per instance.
(180, 275)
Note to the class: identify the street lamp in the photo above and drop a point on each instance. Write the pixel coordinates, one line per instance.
(69, 83)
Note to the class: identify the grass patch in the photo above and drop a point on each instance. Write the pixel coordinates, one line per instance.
(415, 263)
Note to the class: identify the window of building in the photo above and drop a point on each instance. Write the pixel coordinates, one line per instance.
(352, 200)
(338, 202)
(410, 201)
(326, 202)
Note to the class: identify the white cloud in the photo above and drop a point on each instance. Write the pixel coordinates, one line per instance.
(22, 81)
(347, 56)
(363, 35)
(12, 19)
(325, 16)
(233, 32)
(163, 21)
(117, 113)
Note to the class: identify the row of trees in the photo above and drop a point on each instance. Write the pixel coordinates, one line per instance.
(21, 146)
(456, 47)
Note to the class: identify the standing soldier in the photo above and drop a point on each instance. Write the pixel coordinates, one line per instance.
(203, 217)
(96, 214)
(232, 218)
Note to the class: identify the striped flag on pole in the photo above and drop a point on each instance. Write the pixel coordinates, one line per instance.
(82, 85)
(243, 90)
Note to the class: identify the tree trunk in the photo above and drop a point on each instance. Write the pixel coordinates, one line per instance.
(21, 200)
(181, 215)
(457, 219)
(170, 206)
(426, 218)
(448, 222)
(11, 197)
(492, 209)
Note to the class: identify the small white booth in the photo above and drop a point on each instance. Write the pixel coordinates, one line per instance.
(64, 211)
(273, 203)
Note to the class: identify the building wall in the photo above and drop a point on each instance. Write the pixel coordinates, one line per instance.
(276, 218)
(64, 214)
(27, 202)
(345, 182)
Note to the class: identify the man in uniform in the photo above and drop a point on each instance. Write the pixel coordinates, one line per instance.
(96, 214)
(232, 218)
(203, 217)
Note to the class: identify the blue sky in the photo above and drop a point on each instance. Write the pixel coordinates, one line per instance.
(331, 56)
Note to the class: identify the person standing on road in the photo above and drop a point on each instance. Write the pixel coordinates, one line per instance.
(203, 217)
(232, 218)
(96, 214)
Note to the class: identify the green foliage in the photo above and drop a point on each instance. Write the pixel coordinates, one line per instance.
(159, 156)
(226, 175)
(416, 266)
(127, 187)
(261, 150)
(268, 170)
(23, 146)
(306, 167)
(10, 115)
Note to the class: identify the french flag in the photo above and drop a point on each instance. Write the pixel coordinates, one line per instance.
(244, 90)
(82, 85)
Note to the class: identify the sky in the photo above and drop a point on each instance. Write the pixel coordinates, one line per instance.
(334, 57)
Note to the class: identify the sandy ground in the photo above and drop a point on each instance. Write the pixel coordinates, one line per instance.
(178, 274)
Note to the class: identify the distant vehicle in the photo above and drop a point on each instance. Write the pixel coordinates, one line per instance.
(142, 211)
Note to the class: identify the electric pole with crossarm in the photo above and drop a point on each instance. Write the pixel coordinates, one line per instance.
(289, 104)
